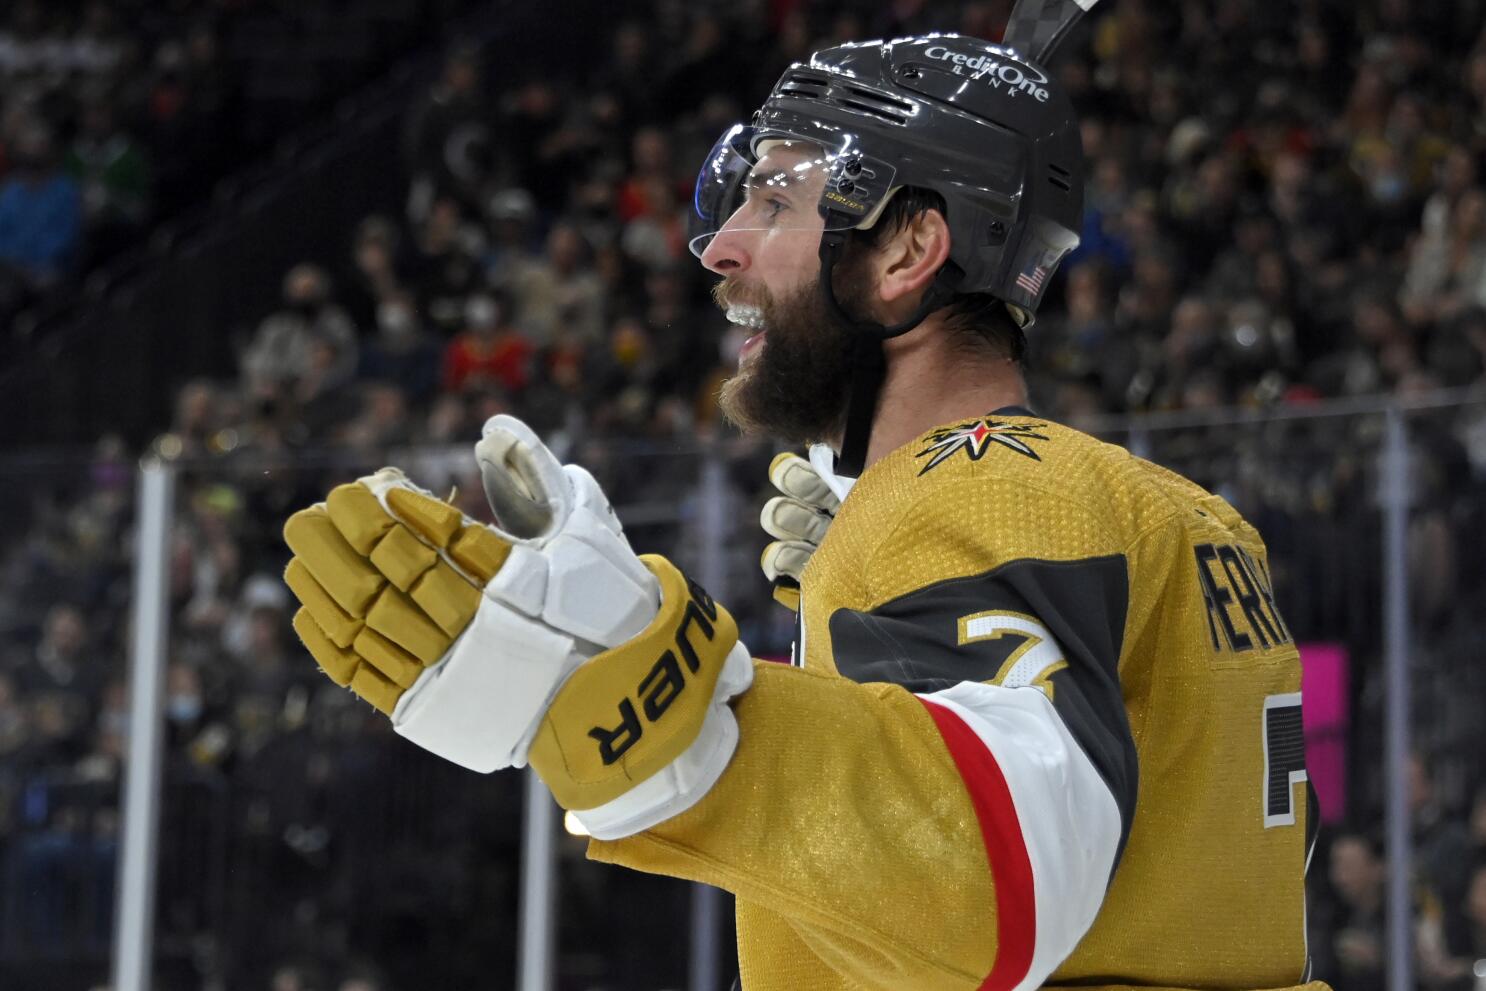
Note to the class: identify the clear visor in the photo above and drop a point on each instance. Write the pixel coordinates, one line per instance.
(769, 181)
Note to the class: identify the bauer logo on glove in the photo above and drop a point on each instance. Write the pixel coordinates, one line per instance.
(664, 683)
(495, 645)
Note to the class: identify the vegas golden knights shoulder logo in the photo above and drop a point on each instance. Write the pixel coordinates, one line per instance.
(976, 437)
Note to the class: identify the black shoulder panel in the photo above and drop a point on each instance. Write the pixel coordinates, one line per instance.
(926, 641)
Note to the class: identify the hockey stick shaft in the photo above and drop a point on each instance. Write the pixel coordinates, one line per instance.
(1037, 27)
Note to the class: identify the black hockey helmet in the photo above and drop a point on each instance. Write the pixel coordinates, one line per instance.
(986, 129)
(982, 125)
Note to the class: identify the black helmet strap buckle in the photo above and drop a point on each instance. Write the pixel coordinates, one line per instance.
(868, 364)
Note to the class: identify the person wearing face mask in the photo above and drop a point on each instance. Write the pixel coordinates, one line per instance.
(193, 737)
(284, 348)
(183, 702)
(401, 350)
(489, 351)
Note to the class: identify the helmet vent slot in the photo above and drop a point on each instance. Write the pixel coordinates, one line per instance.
(870, 110)
(867, 101)
(1060, 177)
(891, 104)
(809, 85)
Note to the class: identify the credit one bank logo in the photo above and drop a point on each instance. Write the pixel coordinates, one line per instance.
(1014, 77)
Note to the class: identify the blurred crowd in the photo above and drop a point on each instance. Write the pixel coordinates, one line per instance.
(1285, 204)
(115, 114)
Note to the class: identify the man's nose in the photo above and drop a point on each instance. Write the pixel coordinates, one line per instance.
(726, 253)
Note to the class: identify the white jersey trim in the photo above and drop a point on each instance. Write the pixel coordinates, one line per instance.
(1070, 820)
(823, 460)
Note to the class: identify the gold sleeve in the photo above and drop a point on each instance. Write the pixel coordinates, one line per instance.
(843, 814)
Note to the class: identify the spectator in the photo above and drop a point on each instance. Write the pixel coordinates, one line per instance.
(190, 94)
(1441, 841)
(65, 659)
(1452, 935)
(1357, 942)
(111, 169)
(40, 212)
(294, 977)
(560, 296)
(1191, 345)
(401, 352)
(650, 171)
(266, 666)
(445, 133)
(656, 236)
(1072, 341)
(1447, 272)
(511, 213)
(375, 278)
(198, 416)
(59, 721)
(629, 73)
(490, 351)
(1454, 176)
(381, 423)
(546, 160)
(442, 266)
(304, 348)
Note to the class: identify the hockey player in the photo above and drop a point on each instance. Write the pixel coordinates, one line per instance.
(1043, 725)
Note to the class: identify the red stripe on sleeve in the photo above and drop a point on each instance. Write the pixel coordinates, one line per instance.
(1011, 870)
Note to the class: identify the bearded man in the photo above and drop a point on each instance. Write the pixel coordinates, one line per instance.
(1043, 722)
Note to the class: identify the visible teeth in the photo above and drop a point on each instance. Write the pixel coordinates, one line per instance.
(745, 315)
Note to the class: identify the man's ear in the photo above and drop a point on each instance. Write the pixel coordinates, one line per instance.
(908, 261)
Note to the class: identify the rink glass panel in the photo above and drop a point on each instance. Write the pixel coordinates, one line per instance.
(65, 524)
(297, 831)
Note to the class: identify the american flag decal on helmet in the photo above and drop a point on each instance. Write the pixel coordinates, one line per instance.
(1032, 281)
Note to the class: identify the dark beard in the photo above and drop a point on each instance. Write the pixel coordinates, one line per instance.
(797, 388)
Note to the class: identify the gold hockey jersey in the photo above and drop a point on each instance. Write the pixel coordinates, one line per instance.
(1044, 729)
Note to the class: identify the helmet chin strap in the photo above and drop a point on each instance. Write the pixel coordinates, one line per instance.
(868, 363)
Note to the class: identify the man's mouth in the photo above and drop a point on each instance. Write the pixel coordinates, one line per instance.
(746, 315)
(752, 317)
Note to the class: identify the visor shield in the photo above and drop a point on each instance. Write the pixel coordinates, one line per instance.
(767, 180)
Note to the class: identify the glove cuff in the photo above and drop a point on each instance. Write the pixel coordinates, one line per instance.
(632, 712)
(682, 783)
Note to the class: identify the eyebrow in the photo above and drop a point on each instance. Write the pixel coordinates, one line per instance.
(777, 180)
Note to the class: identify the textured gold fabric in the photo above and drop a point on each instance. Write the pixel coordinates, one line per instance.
(842, 824)
(841, 814)
(378, 604)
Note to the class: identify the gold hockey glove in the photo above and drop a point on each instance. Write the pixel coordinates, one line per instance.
(546, 639)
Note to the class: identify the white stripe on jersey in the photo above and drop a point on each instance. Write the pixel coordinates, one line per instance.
(1071, 824)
